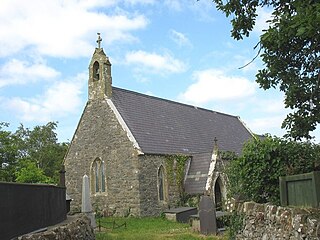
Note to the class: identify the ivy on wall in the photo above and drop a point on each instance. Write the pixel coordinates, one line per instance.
(255, 174)
(175, 166)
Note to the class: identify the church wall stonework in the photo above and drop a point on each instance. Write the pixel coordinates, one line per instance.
(150, 203)
(99, 135)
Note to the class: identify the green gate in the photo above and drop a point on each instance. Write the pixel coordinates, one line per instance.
(300, 190)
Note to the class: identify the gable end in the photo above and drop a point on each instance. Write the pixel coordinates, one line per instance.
(125, 127)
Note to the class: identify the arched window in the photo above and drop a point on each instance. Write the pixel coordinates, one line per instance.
(161, 184)
(96, 71)
(103, 177)
(98, 176)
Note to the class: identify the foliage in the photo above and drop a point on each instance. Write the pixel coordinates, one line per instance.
(170, 168)
(148, 228)
(25, 150)
(227, 155)
(255, 174)
(290, 51)
(235, 224)
(190, 200)
(175, 168)
(40, 146)
(30, 173)
(8, 154)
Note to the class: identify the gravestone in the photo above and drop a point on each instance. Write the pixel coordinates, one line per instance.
(207, 215)
(86, 206)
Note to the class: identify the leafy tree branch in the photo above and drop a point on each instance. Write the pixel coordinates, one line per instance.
(290, 52)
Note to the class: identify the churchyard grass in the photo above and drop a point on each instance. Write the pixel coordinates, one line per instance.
(148, 228)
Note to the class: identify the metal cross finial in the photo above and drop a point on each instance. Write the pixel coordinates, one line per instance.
(99, 40)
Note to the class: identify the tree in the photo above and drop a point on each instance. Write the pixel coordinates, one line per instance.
(8, 154)
(31, 155)
(40, 146)
(290, 51)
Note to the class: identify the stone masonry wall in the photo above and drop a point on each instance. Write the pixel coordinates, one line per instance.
(150, 204)
(99, 134)
(76, 228)
(263, 221)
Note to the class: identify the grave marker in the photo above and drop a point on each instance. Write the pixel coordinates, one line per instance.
(86, 206)
(207, 215)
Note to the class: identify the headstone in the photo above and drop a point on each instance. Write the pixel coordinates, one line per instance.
(207, 215)
(86, 206)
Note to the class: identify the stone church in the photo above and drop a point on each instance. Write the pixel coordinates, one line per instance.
(142, 152)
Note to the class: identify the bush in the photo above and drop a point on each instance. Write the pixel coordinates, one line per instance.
(255, 174)
(30, 173)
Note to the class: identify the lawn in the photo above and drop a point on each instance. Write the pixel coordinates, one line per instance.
(148, 228)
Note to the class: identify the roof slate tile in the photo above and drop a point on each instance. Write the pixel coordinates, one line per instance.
(165, 127)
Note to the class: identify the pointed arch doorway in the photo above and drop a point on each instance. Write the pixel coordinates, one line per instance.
(218, 194)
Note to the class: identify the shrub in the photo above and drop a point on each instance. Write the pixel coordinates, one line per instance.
(30, 173)
(255, 174)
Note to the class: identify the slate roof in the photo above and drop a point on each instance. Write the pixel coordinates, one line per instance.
(198, 172)
(166, 127)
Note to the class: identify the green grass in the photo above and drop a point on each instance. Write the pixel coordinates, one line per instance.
(148, 228)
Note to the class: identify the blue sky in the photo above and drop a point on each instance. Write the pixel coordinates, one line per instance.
(175, 49)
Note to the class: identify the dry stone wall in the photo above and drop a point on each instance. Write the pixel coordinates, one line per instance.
(76, 228)
(263, 221)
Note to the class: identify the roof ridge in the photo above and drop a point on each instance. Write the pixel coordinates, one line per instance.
(175, 102)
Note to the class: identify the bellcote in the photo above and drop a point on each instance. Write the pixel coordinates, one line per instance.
(100, 80)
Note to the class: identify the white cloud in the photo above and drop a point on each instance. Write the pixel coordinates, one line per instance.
(272, 105)
(204, 10)
(133, 2)
(22, 72)
(149, 93)
(261, 21)
(214, 85)
(61, 99)
(271, 111)
(154, 62)
(174, 5)
(94, 3)
(179, 38)
(201, 10)
(270, 124)
(61, 28)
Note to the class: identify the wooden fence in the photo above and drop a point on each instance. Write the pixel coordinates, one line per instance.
(28, 207)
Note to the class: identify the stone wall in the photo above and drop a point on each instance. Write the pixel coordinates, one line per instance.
(263, 221)
(99, 135)
(131, 179)
(148, 176)
(78, 227)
